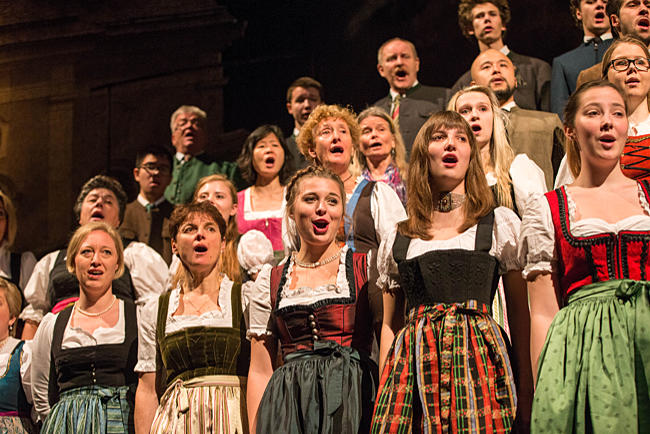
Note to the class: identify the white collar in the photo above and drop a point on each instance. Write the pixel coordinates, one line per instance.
(296, 131)
(144, 202)
(393, 94)
(505, 50)
(603, 37)
(508, 106)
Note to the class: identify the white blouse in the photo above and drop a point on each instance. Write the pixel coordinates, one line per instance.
(73, 337)
(249, 214)
(537, 240)
(505, 233)
(27, 263)
(254, 250)
(221, 317)
(385, 207)
(258, 296)
(527, 180)
(147, 268)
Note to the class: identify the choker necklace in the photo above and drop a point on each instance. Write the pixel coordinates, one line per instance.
(83, 312)
(448, 201)
(314, 264)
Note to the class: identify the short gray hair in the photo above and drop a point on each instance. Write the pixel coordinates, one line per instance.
(192, 109)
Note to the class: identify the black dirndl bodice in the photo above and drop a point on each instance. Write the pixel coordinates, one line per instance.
(449, 276)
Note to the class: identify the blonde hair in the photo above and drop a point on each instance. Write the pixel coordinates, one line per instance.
(305, 139)
(82, 233)
(399, 159)
(230, 264)
(420, 202)
(12, 224)
(13, 297)
(501, 152)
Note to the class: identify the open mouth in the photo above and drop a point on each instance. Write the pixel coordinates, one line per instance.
(476, 128)
(200, 248)
(401, 73)
(269, 160)
(450, 159)
(97, 215)
(95, 272)
(599, 16)
(644, 23)
(320, 226)
(607, 138)
(497, 80)
(632, 80)
(375, 145)
(488, 29)
(336, 149)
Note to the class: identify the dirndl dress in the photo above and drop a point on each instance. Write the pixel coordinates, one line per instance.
(448, 369)
(205, 371)
(635, 160)
(328, 381)
(92, 389)
(594, 369)
(14, 409)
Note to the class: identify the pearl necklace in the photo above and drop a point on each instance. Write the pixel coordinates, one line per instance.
(90, 314)
(316, 264)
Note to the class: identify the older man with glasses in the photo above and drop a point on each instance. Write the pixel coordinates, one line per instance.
(146, 218)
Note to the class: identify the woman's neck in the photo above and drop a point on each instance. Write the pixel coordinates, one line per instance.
(486, 158)
(316, 253)
(640, 112)
(203, 281)
(95, 304)
(377, 166)
(591, 177)
(268, 184)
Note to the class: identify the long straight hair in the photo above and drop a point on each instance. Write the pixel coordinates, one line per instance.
(420, 202)
(501, 152)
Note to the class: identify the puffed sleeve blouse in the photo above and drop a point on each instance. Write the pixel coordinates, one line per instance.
(505, 234)
(537, 240)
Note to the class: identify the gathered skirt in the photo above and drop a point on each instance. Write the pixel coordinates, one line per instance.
(16, 425)
(448, 370)
(328, 390)
(92, 409)
(207, 404)
(594, 369)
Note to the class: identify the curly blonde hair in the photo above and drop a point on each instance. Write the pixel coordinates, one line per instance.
(305, 139)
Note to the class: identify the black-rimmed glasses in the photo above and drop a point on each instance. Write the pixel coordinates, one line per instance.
(622, 64)
(155, 168)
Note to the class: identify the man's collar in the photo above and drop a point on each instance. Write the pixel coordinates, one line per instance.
(509, 106)
(505, 50)
(603, 37)
(181, 157)
(296, 131)
(144, 202)
(393, 94)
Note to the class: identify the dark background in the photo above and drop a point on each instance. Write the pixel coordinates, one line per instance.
(336, 42)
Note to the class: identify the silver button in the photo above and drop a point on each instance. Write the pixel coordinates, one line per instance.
(312, 317)
(313, 324)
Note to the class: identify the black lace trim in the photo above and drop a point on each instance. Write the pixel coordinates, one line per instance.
(349, 273)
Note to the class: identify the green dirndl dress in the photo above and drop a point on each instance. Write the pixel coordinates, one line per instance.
(594, 369)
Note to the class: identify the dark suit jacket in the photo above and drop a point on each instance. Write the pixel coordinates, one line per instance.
(137, 226)
(567, 67)
(539, 135)
(420, 103)
(298, 161)
(533, 89)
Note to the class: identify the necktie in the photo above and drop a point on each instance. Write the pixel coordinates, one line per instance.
(395, 113)
(150, 207)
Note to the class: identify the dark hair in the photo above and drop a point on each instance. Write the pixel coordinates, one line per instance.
(305, 82)
(101, 181)
(465, 14)
(570, 112)
(182, 212)
(156, 151)
(613, 7)
(245, 160)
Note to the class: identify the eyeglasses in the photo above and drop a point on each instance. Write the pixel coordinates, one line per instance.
(153, 168)
(622, 64)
